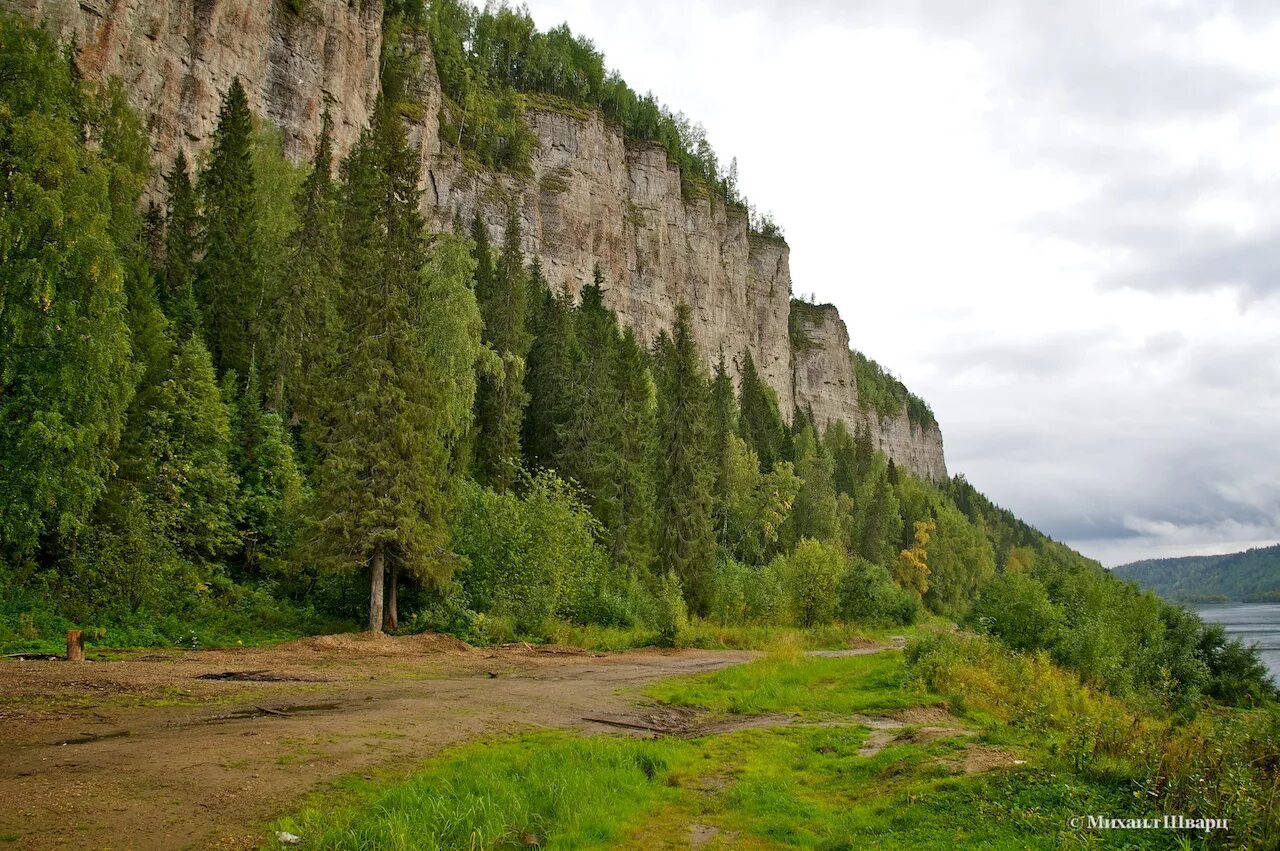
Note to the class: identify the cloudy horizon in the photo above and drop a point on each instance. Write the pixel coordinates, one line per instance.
(1055, 222)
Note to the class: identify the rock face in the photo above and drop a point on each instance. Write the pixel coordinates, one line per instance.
(592, 197)
(177, 57)
(825, 384)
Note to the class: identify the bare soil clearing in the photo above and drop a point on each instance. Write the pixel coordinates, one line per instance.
(199, 748)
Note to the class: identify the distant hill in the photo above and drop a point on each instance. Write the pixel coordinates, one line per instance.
(1252, 576)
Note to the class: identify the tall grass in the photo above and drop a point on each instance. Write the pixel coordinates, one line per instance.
(786, 681)
(1215, 762)
(543, 790)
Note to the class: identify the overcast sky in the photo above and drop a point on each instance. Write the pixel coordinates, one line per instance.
(1059, 222)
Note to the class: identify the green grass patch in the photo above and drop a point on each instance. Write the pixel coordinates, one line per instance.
(800, 685)
(559, 790)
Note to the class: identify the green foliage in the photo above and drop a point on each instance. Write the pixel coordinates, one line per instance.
(550, 370)
(814, 512)
(1253, 576)
(811, 576)
(867, 594)
(758, 504)
(486, 57)
(403, 390)
(742, 594)
(880, 392)
(671, 614)
(65, 373)
(302, 348)
(272, 489)
(502, 293)
(182, 242)
(229, 278)
(686, 539)
(804, 685)
(1017, 610)
(1152, 755)
(535, 556)
(547, 789)
(760, 424)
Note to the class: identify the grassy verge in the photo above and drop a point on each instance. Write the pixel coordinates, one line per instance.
(809, 784)
(799, 685)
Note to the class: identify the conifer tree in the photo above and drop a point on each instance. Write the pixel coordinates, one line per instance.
(181, 242)
(815, 506)
(403, 390)
(501, 397)
(760, 423)
(229, 277)
(65, 373)
(304, 332)
(633, 540)
(590, 439)
(724, 424)
(549, 374)
(686, 474)
(271, 486)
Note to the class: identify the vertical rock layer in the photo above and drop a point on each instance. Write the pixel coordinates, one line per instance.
(177, 57)
(591, 197)
(825, 384)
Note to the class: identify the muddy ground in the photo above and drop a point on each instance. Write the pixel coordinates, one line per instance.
(199, 749)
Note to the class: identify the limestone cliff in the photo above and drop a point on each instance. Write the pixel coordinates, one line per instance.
(825, 383)
(177, 57)
(591, 196)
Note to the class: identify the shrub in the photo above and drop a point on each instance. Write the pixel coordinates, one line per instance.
(811, 575)
(536, 556)
(867, 594)
(670, 614)
(1016, 609)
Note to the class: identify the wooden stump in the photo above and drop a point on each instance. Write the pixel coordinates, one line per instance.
(75, 645)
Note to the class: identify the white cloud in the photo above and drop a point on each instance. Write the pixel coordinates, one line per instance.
(1059, 223)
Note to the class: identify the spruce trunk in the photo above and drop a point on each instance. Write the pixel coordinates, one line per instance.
(375, 588)
(391, 615)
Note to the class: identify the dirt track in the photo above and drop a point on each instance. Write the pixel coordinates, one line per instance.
(143, 753)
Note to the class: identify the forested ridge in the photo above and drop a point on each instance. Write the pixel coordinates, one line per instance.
(1251, 576)
(276, 403)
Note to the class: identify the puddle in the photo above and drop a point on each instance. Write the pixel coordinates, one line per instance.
(262, 676)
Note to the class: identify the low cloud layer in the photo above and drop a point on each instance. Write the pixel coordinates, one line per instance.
(1060, 223)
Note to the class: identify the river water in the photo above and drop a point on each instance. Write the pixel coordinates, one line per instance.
(1253, 623)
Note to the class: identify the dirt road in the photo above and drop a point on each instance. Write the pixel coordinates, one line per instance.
(200, 748)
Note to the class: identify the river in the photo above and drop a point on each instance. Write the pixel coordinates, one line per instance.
(1253, 623)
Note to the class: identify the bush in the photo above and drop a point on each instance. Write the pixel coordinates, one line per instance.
(812, 575)
(671, 616)
(867, 594)
(536, 556)
(1017, 610)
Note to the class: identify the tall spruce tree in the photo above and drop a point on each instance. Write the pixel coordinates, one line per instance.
(305, 310)
(724, 424)
(590, 439)
(549, 373)
(501, 398)
(760, 423)
(181, 243)
(633, 540)
(65, 371)
(814, 512)
(686, 472)
(229, 277)
(271, 486)
(403, 390)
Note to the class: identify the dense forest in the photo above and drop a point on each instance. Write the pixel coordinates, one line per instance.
(277, 403)
(1252, 576)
